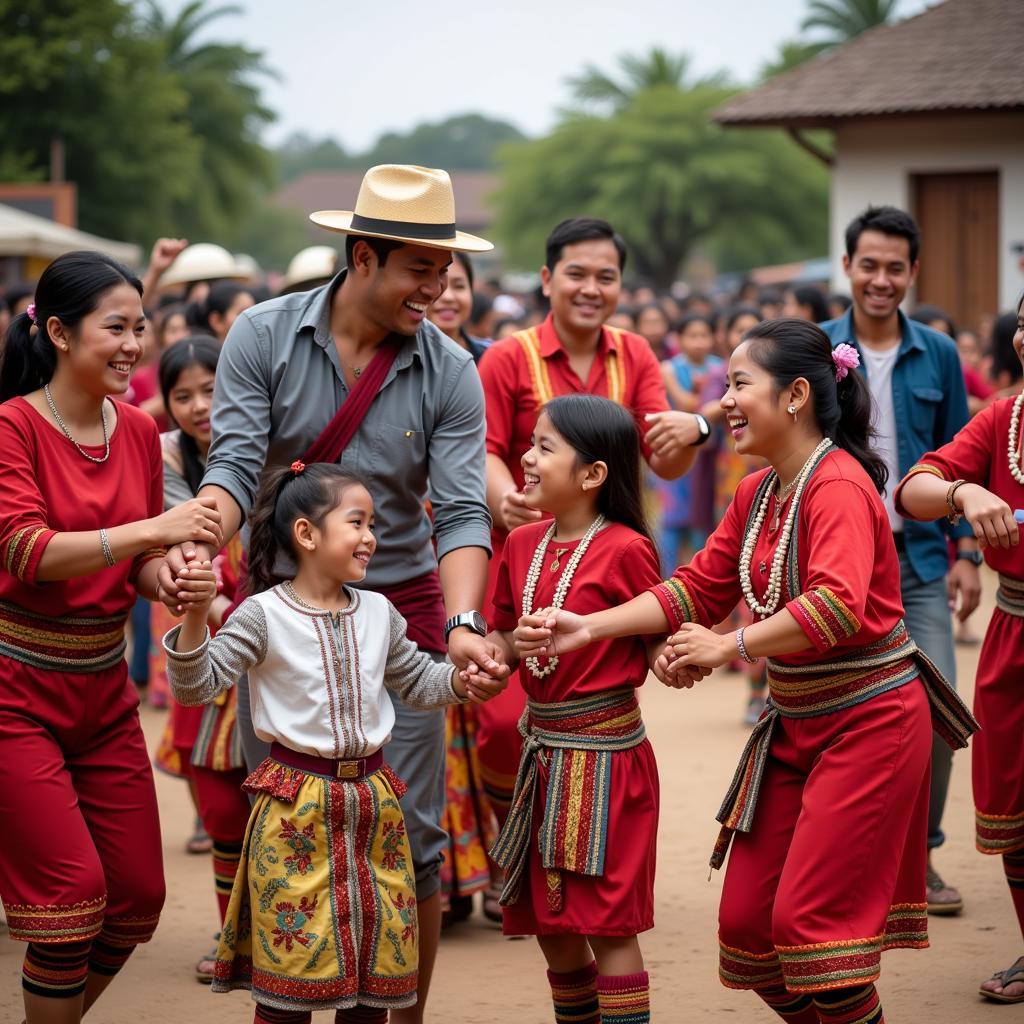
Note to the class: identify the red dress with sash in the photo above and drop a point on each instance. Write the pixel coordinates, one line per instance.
(618, 565)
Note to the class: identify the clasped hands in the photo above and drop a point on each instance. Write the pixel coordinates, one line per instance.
(688, 656)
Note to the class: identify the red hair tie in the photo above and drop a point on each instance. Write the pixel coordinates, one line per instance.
(298, 466)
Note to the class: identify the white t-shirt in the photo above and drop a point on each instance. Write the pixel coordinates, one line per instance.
(879, 366)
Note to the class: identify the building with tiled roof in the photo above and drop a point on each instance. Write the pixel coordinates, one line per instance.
(927, 114)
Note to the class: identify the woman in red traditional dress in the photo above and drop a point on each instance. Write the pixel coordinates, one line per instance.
(831, 869)
(579, 842)
(81, 529)
(980, 476)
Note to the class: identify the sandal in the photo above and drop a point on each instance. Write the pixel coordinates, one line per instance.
(1012, 975)
(199, 841)
(492, 906)
(206, 965)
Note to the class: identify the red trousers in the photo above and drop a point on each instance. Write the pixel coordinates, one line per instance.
(832, 872)
(82, 855)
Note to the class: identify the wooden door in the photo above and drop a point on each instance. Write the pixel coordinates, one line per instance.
(959, 219)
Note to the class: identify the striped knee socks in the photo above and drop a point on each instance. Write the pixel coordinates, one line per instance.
(56, 970)
(624, 998)
(106, 958)
(225, 864)
(1013, 865)
(360, 1014)
(792, 1007)
(271, 1015)
(849, 1006)
(575, 995)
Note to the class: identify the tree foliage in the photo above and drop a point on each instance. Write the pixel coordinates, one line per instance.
(842, 20)
(671, 182)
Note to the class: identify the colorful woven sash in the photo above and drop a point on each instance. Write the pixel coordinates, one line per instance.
(64, 643)
(800, 691)
(1010, 596)
(529, 342)
(575, 740)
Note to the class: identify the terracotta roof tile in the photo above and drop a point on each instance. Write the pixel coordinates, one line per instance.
(957, 56)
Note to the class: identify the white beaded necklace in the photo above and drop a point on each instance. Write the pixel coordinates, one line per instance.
(773, 594)
(561, 589)
(1013, 439)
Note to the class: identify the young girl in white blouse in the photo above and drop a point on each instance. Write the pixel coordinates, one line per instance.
(323, 911)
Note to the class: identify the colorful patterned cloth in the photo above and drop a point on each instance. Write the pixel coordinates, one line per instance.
(323, 911)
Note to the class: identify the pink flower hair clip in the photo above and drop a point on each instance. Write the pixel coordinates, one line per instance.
(846, 359)
(30, 312)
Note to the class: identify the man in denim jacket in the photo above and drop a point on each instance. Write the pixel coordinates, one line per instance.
(920, 401)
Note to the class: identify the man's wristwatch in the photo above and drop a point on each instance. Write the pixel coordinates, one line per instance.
(974, 557)
(471, 620)
(705, 430)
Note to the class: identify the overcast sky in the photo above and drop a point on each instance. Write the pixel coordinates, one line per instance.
(353, 69)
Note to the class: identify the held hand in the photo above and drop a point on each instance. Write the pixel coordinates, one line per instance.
(671, 431)
(466, 647)
(551, 631)
(165, 252)
(515, 511)
(197, 520)
(964, 582)
(990, 517)
(199, 582)
(478, 686)
(696, 645)
(672, 672)
(174, 569)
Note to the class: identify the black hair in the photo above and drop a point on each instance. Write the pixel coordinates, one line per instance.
(174, 361)
(382, 247)
(697, 297)
(162, 315)
(285, 496)
(733, 313)
(889, 221)
(1004, 356)
(770, 296)
(814, 299)
(789, 348)
(601, 430)
(481, 307)
(582, 229)
(70, 288)
(926, 314)
(840, 299)
(646, 307)
(219, 300)
(18, 292)
(695, 318)
(467, 266)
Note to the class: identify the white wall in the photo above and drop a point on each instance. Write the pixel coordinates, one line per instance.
(875, 161)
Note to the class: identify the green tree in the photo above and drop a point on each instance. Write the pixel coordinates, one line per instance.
(791, 55)
(672, 183)
(842, 20)
(653, 70)
(300, 154)
(465, 142)
(88, 75)
(225, 115)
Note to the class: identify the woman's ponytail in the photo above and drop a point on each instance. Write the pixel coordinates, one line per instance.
(264, 545)
(854, 433)
(28, 358)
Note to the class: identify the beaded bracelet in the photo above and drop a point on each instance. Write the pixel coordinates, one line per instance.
(954, 515)
(742, 647)
(108, 555)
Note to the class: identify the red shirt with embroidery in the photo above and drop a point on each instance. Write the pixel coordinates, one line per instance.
(848, 568)
(47, 486)
(978, 455)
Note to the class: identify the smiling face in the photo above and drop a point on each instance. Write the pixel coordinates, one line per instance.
(553, 475)
(344, 542)
(743, 323)
(880, 273)
(397, 295)
(1018, 335)
(189, 403)
(755, 413)
(102, 350)
(584, 286)
(454, 306)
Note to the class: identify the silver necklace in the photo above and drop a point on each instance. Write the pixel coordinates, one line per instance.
(67, 433)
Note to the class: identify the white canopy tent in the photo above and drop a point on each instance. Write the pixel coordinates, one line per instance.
(27, 236)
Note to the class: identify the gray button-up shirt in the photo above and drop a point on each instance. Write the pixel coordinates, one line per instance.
(279, 383)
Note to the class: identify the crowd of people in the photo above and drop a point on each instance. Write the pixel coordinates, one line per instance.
(398, 549)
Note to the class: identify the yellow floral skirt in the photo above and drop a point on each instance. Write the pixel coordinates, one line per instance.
(323, 911)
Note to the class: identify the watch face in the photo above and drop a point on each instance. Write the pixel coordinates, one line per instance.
(479, 624)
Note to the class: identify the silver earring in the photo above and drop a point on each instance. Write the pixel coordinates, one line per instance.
(791, 409)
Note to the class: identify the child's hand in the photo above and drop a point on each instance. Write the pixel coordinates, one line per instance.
(478, 685)
(551, 631)
(697, 645)
(672, 672)
(199, 580)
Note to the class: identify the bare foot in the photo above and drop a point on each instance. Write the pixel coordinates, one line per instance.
(1011, 992)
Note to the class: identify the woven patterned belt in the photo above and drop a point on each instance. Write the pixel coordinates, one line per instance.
(575, 739)
(63, 643)
(825, 688)
(1010, 596)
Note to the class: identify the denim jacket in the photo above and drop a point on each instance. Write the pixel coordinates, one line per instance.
(930, 400)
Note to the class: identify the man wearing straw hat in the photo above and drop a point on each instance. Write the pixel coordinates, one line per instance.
(352, 372)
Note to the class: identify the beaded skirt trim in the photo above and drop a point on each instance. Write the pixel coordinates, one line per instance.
(64, 643)
(576, 740)
(999, 833)
(1010, 596)
(802, 691)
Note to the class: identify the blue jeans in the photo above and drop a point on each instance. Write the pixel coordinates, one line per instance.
(930, 624)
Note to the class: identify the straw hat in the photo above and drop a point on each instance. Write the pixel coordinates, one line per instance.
(405, 204)
(202, 262)
(315, 263)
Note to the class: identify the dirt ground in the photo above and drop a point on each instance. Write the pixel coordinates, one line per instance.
(482, 978)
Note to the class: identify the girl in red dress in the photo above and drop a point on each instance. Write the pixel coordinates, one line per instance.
(980, 475)
(831, 869)
(579, 842)
(81, 524)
